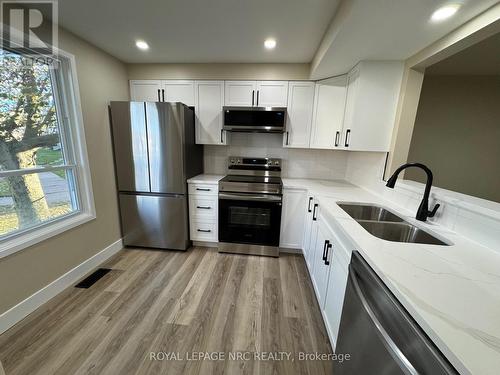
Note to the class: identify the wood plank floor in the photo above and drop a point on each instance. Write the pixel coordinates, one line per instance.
(178, 303)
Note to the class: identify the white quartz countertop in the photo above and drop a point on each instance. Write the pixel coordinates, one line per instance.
(210, 179)
(453, 292)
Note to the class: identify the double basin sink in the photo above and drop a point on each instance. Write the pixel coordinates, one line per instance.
(388, 226)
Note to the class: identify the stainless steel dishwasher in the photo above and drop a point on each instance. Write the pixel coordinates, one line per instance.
(379, 334)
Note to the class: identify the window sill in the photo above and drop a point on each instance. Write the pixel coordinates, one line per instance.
(31, 237)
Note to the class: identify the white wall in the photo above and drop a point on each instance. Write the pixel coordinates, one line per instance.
(287, 72)
(297, 163)
(101, 78)
(474, 218)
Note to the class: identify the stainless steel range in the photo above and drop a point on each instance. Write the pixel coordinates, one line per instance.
(250, 198)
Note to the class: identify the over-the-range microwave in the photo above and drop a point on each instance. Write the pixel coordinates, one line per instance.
(255, 119)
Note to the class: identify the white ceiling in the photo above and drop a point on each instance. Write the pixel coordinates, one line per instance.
(482, 58)
(201, 31)
(232, 31)
(386, 30)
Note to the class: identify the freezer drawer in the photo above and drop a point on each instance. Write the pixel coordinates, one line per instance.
(155, 221)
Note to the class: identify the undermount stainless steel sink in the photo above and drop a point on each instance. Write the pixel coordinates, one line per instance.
(384, 224)
(400, 232)
(369, 212)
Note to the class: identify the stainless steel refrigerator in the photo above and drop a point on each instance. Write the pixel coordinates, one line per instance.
(155, 153)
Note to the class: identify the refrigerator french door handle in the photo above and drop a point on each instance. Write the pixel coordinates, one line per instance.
(258, 97)
(337, 134)
(309, 204)
(253, 97)
(159, 99)
(162, 95)
(221, 136)
(388, 342)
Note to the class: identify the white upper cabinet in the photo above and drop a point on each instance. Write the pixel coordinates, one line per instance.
(145, 90)
(299, 112)
(240, 93)
(372, 95)
(271, 93)
(328, 118)
(162, 91)
(256, 93)
(209, 99)
(179, 91)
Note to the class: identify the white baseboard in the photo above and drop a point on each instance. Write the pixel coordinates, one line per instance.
(30, 304)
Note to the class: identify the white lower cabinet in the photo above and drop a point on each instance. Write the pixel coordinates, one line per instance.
(203, 231)
(292, 219)
(306, 243)
(203, 212)
(321, 267)
(337, 283)
(327, 260)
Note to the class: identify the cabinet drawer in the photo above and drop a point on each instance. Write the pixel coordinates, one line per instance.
(203, 207)
(203, 231)
(203, 189)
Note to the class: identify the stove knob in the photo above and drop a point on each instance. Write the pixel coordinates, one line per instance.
(276, 162)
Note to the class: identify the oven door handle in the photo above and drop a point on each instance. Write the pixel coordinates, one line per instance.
(250, 197)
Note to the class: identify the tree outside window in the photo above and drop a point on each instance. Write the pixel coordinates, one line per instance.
(36, 176)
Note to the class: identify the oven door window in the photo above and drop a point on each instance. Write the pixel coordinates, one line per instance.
(249, 222)
(254, 217)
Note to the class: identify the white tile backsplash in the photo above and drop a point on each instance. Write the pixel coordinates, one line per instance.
(297, 163)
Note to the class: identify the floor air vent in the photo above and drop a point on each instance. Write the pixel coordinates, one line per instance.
(92, 278)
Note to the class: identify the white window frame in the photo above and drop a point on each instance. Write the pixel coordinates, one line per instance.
(22, 239)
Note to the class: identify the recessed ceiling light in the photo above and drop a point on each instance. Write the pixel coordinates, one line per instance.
(444, 12)
(141, 44)
(270, 43)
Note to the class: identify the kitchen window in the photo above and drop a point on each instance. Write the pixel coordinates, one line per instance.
(45, 185)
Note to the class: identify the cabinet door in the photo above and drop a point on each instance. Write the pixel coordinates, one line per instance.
(320, 269)
(240, 93)
(372, 99)
(299, 111)
(328, 119)
(292, 219)
(209, 98)
(308, 229)
(272, 93)
(179, 91)
(335, 293)
(350, 106)
(145, 90)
